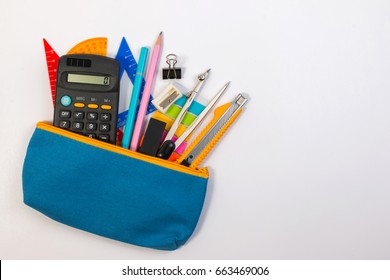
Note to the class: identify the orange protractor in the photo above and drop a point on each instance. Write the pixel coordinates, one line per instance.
(96, 45)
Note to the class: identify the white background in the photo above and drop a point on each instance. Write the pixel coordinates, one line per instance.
(302, 174)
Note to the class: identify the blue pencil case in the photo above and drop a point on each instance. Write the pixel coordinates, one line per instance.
(110, 191)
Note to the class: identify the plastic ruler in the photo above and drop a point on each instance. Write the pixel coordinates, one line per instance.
(52, 65)
(96, 46)
(129, 65)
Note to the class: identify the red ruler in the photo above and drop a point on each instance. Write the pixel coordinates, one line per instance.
(52, 64)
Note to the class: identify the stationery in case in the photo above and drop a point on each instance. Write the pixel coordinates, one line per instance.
(110, 191)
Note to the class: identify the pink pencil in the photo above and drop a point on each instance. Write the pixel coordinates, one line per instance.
(146, 94)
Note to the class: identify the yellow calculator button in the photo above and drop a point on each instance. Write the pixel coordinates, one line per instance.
(79, 105)
(106, 107)
(93, 106)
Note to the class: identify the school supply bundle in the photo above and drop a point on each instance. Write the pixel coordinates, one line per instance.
(132, 176)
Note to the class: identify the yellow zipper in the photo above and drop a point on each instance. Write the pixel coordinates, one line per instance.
(201, 172)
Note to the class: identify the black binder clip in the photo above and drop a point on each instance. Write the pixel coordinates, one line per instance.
(171, 72)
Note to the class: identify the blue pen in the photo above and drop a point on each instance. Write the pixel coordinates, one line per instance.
(131, 114)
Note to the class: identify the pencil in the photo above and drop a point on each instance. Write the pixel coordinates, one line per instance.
(150, 76)
(134, 98)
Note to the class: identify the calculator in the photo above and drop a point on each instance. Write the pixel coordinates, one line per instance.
(87, 96)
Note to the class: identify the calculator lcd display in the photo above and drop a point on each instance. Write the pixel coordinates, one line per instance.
(88, 79)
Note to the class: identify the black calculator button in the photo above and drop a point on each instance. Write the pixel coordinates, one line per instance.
(92, 116)
(104, 127)
(105, 117)
(78, 126)
(64, 124)
(104, 137)
(91, 135)
(78, 115)
(64, 114)
(91, 126)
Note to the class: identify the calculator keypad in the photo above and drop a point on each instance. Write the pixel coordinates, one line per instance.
(95, 123)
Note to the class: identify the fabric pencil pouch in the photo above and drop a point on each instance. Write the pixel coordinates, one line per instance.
(110, 191)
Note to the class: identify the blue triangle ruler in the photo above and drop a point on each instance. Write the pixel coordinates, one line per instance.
(128, 64)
